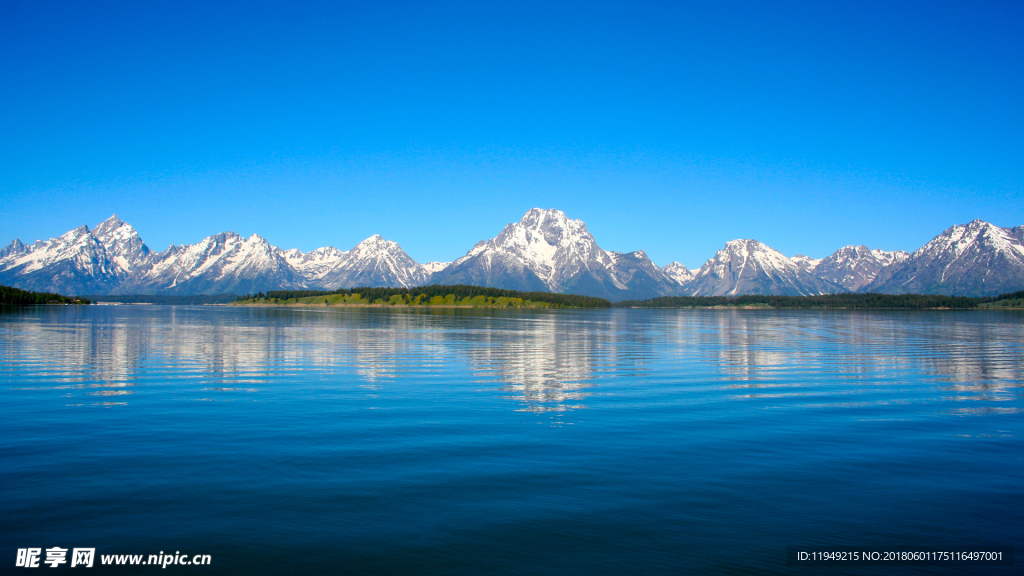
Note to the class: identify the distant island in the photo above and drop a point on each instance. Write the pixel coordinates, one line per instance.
(457, 296)
(17, 297)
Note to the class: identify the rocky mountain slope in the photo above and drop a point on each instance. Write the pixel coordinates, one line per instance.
(219, 264)
(544, 251)
(113, 259)
(976, 259)
(854, 267)
(81, 261)
(229, 263)
(548, 251)
(750, 267)
(373, 262)
(676, 271)
(805, 263)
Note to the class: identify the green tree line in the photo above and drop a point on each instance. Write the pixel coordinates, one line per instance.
(460, 294)
(826, 301)
(16, 297)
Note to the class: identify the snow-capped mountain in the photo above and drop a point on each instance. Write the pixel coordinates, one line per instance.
(547, 251)
(641, 277)
(433, 267)
(15, 248)
(373, 262)
(315, 264)
(80, 261)
(974, 259)
(676, 271)
(806, 263)
(854, 267)
(228, 262)
(220, 264)
(113, 259)
(750, 267)
(544, 251)
(122, 244)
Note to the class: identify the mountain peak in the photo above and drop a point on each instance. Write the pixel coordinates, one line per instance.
(554, 224)
(741, 246)
(435, 266)
(544, 250)
(742, 242)
(676, 271)
(977, 258)
(373, 262)
(15, 247)
(114, 226)
(746, 266)
(376, 243)
(806, 263)
(976, 226)
(547, 250)
(854, 267)
(536, 214)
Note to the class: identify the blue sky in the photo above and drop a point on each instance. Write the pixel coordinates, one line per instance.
(668, 127)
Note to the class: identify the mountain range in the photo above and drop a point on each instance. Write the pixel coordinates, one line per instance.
(544, 251)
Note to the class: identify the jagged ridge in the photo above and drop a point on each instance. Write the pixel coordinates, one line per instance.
(544, 251)
(976, 258)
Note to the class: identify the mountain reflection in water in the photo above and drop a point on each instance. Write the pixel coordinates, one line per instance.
(396, 441)
(547, 361)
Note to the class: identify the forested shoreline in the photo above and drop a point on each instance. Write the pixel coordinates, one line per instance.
(834, 302)
(479, 296)
(434, 295)
(17, 297)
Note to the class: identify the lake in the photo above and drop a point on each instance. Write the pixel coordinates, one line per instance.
(386, 441)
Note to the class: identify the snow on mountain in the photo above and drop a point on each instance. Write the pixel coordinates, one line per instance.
(548, 251)
(973, 259)
(81, 261)
(854, 267)
(544, 251)
(806, 263)
(122, 244)
(539, 252)
(373, 262)
(637, 277)
(112, 258)
(15, 248)
(434, 267)
(676, 271)
(486, 265)
(314, 265)
(750, 267)
(219, 264)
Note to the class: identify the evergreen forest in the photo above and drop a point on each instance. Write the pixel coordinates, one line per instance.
(435, 295)
(832, 301)
(16, 297)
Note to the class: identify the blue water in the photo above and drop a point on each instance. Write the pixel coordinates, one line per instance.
(376, 441)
